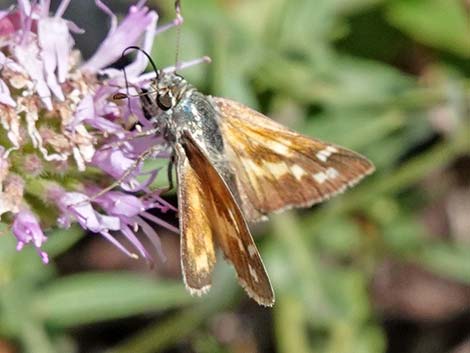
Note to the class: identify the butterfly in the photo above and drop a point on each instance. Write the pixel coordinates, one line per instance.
(234, 166)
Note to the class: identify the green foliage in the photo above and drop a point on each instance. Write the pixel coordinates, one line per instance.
(439, 23)
(293, 61)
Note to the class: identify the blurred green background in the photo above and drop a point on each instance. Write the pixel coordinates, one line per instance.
(384, 267)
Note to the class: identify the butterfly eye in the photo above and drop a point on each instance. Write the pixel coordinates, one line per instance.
(164, 101)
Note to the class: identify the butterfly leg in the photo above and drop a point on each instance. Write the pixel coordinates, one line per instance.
(145, 133)
(169, 171)
(142, 157)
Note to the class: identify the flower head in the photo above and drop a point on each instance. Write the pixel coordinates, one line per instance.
(65, 139)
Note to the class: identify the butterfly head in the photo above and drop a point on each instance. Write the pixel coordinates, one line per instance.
(170, 88)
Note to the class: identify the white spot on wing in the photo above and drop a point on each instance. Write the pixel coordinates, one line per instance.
(256, 170)
(332, 173)
(233, 219)
(202, 262)
(240, 245)
(298, 172)
(252, 165)
(325, 153)
(277, 169)
(279, 147)
(253, 273)
(251, 249)
(331, 149)
(320, 177)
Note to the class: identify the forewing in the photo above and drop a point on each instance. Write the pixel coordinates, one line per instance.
(277, 168)
(228, 226)
(197, 245)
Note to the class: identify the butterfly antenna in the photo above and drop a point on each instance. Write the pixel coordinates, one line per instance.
(132, 47)
(157, 72)
(178, 33)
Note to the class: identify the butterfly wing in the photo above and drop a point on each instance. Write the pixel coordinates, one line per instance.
(209, 212)
(197, 244)
(277, 168)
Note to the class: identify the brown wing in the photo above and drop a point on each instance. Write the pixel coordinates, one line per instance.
(197, 244)
(277, 168)
(213, 214)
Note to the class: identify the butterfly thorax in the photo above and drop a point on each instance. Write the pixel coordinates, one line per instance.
(184, 111)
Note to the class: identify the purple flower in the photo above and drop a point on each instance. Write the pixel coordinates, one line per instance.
(66, 140)
(77, 207)
(27, 230)
(116, 162)
(131, 212)
(138, 20)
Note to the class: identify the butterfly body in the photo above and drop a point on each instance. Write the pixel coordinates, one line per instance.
(235, 165)
(193, 115)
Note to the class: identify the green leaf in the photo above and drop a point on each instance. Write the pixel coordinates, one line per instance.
(60, 240)
(304, 275)
(171, 330)
(341, 237)
(447, 260)
(347, 292)
(352, 338)
(24, 264)
(290, 325)
(439, 23)
(35, 339)
(403, 235)
(87, 298)
(343, 82)
(353, 6)
(355, 128)
(364, 82)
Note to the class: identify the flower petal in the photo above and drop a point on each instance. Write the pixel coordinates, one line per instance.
(5, 96)
(28, 56)
(27, 230)
(125, 35)
(55, 41)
